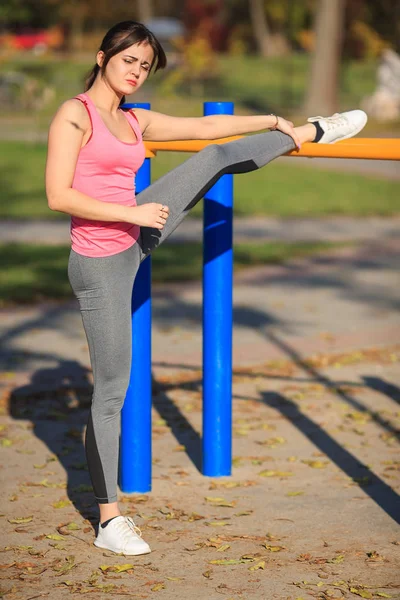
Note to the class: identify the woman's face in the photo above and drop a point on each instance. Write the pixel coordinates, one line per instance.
(128, 70)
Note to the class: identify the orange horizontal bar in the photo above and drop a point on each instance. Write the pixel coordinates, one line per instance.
(369, 148)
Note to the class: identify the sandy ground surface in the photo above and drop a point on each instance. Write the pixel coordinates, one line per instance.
(312, 507)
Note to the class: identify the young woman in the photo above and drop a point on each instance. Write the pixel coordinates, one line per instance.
(94, 150)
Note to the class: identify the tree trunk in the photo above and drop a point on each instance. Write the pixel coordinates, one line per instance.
(260, 26)
(322, 94)
(145, 10)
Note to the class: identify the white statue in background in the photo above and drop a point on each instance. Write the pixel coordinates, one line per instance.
(384, 104)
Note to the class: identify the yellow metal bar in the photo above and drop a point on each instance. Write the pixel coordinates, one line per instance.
(370, 148)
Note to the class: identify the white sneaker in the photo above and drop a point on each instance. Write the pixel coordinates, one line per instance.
(340, 126)
(122, 536)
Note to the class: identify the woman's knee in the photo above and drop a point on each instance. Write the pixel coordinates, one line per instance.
(214, 153)
(109, 395)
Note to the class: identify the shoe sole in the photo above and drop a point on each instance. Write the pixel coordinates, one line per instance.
(350, 135)
(104, 547)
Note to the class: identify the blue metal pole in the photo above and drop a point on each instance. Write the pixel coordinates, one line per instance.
(135, 453)
(217, 320)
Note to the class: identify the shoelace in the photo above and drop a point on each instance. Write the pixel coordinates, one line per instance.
(126, 527)
(332, 122)
(133, 527)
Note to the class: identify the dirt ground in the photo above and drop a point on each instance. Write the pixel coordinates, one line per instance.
(311, 509)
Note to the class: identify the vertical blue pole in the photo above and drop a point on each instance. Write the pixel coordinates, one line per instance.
(135, 455)
(217, 320)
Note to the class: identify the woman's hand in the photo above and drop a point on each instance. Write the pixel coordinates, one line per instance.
(149, 215)
(288, 127)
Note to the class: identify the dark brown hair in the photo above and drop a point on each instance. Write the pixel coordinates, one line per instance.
(122, 36)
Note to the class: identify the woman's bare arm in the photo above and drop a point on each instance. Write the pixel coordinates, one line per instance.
(66, 133)
(67, 130)
(158, 127)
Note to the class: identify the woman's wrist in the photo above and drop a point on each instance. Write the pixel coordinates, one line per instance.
(129, 214)
(275, 122)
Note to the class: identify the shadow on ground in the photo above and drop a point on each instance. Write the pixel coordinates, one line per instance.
(57, 399)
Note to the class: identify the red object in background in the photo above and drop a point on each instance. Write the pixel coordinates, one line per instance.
(27, 41)
(34, 40)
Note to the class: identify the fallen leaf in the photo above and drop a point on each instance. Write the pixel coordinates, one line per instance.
(116, 568)
(158, 587)
(273, 548)
(21, 520)
(227, 561)
(269, 473)
(219, 502)
(61, 503)
(374, 556)
(260, 565)
(72, 526)
(361, 592)
(272, 442)
(180, 448)
(223, 548)
(66, 566)
(194, 517)
(337, 559)
(316, 464)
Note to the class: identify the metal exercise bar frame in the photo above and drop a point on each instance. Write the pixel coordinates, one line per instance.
(367, 148)
(135, 448)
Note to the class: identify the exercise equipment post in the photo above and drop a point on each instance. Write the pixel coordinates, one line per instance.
(217, 320)
(135, 446)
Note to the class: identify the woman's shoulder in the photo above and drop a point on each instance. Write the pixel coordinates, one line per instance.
(73, 105)
(73, 109)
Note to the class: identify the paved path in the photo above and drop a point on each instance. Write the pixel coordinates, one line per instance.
(316, 473)
(389, 169)
(251, 229)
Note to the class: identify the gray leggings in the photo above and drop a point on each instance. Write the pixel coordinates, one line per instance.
(103, 287)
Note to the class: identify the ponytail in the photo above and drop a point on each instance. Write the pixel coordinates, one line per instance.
(91, 77)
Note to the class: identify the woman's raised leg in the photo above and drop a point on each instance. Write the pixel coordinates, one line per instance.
(183, 187)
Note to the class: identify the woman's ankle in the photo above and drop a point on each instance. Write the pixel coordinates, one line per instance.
(108, 511)
(306, 133)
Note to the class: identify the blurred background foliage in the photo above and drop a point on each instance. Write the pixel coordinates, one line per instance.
(257, 52)
(289, 57)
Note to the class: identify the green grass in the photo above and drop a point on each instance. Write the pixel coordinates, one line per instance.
(255, 84)
(32, 273)
(278, 190)
(280, 83)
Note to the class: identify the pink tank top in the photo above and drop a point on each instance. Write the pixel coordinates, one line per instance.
(105, 170)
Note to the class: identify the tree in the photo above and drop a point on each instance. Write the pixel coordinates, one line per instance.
(322, 96)
(260, 26)
(145, 10)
